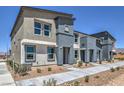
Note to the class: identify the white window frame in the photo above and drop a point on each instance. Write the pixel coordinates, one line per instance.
(28, 53)
(50, 54)
(47, 30)
(38, 28)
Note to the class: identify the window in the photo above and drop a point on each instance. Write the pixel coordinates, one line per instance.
(50, 52)
(76, 38)
(37, 28)
(30, 52)
(66, 28)
(76, 53)
(47, 29)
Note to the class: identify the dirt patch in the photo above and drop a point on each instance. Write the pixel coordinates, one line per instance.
(39, 71)
(100, 79)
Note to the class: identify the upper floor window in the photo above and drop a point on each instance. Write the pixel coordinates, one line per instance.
(47, 29)
(66, 28)
(76, 38)
(37, 28)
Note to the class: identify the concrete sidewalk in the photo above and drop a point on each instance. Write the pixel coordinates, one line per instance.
(5, 76)
(75, 73)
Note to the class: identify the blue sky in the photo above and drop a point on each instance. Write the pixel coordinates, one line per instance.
(88, 20)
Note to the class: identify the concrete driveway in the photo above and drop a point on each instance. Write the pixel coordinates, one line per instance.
(5, 76)
(68, 76)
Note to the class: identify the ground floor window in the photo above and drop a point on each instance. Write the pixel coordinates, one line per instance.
(51, 53)
(30, 52)
(76, 53)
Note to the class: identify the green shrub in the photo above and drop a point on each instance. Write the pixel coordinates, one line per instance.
(97, 77)
(38, 70)
(49, 69)
(76, 83)
(112, 69)
(117, 68)
(50, 82)
(86, 78)
(100, 62)
(23, 69)
(121, 59)
(79, 64)
(10, 63)
(86, 64)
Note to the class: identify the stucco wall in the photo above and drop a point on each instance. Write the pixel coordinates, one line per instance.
(16, 45)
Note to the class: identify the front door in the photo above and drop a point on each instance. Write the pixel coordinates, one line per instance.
(83, 55)
(65, 55)
(91, 55)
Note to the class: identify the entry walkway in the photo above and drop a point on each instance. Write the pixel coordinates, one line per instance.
(75, 73)
(5, 76)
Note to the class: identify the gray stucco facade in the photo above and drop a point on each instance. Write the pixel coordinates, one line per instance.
(59, 44)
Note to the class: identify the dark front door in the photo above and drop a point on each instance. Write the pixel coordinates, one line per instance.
(83, 55)
(65, 55)
(91, 55)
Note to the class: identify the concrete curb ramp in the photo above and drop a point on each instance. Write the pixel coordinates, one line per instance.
(5, 76)
(75, 73)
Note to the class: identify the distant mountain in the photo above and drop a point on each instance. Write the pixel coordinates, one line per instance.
(119, 50)
(2, 53)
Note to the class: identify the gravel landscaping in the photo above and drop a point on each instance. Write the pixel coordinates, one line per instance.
(39, 71)
(106, 78)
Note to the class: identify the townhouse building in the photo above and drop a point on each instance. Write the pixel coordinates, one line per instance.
(45, 37)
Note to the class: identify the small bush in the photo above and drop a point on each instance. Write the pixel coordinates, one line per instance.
(112, 69)
(76, 83)
(49, 69)
(38, 70)
(79, 64)
(23, 69)
(50, 82)
(97, 77)
(117, 68)
(100, 62)
(86, 78)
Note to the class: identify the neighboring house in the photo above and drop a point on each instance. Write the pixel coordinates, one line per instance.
(44, 37)
(108, 44)
(87, 48)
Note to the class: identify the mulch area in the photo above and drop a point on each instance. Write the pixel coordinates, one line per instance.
(99, 79)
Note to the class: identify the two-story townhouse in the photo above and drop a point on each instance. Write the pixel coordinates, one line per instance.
(87, 48)
(108, 44)
(42, 37)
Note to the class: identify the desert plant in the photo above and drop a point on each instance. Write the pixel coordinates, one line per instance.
(100, 62)
(76, 83)
(50, 82)
(49, 69)
(86, 78)
(23, 69)
(38, 70)
(97, 77)
(79, 63)
(112, 69)
(117, 68)
(86, 64)
(109, 61)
